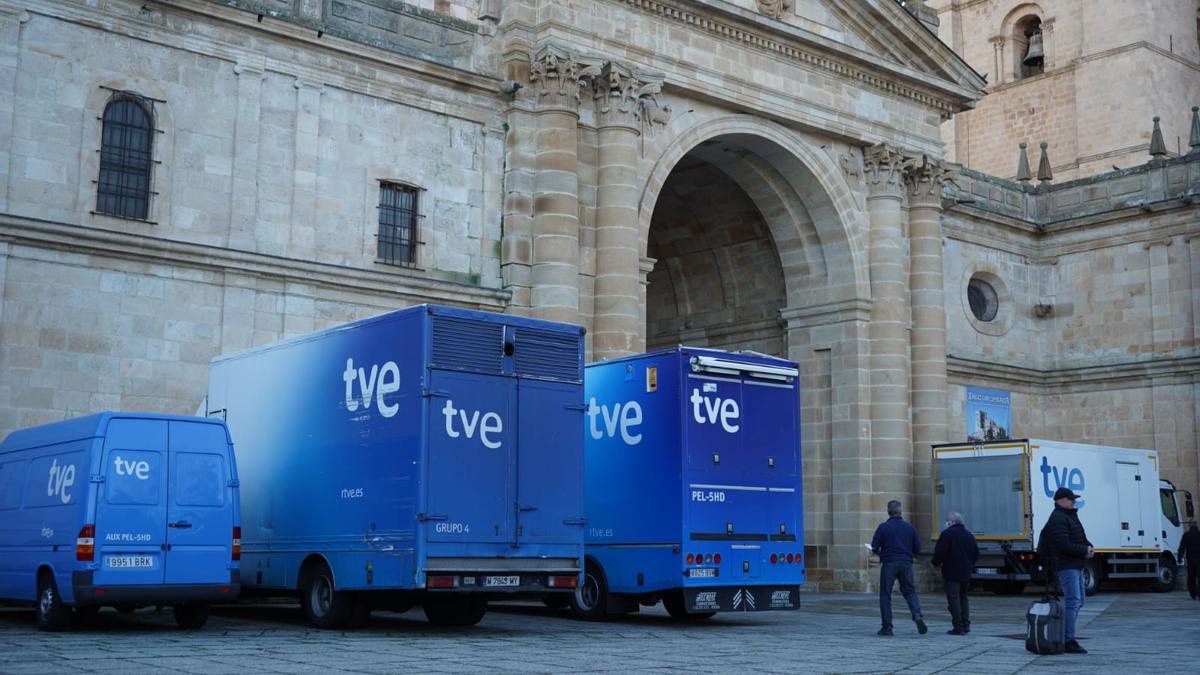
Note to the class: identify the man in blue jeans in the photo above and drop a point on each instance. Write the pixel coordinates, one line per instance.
(896, 543)
(1067, 548)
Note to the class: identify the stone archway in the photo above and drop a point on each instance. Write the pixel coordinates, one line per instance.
(754, 240)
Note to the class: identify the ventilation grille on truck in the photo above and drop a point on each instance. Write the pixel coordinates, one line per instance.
(549, 354)
(462, 344)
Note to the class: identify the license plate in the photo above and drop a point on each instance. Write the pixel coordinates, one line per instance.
(702, 572)
(122, 561)
(986, 570)
(502, 581)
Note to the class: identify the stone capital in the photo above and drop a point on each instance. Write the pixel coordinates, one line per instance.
(617, 93)
(883, 166)
(557, 75)
(924, 177)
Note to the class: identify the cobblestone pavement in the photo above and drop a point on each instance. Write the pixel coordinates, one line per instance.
(1131, 631)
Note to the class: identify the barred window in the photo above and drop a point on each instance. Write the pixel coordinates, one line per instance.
(125, 157)
(397, 239)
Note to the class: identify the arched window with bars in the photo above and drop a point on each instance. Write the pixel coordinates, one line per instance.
(126, 157)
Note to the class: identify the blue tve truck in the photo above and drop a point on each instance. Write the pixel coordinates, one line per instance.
(430, 456)
(122, 509)
(693, 484)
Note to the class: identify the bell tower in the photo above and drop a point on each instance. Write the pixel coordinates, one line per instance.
(1087, 77)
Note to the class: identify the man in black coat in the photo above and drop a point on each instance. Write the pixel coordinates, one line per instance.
(956, 553)
(1189, 550)
(1067, 548)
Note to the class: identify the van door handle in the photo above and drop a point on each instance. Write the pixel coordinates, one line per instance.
(526, 508)
(183, 524)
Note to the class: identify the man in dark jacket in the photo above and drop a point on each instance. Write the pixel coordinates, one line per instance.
(956, 553)
(1189, 550)
(1068, 549)
(896, 543)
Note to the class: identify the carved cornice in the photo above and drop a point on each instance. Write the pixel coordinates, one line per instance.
(787, 49)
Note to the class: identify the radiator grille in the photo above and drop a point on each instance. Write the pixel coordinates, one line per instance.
(462, 344)
(548, 354)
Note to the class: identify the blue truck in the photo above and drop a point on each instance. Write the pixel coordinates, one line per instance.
(693, 484)
(430, 456)
(121, 509)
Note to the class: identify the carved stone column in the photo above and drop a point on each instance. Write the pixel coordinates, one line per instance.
(924, 181)
(555, 74)
(617, 312)
(891, 464)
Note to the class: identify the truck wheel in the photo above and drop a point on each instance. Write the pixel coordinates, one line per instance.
(323, 606)
(1091, 578)
(1167, 572)
(558, 601)
(673, 601)
(50, 614)
(590, 600)
(191, 615)
(455, 610)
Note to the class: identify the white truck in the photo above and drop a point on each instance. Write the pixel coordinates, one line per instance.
(1004, 491)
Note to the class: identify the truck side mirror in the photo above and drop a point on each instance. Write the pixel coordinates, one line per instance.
(1188, 507)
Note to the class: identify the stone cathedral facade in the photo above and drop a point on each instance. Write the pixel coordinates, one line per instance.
(186, 178)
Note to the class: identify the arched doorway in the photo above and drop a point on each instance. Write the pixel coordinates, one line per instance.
(757, 243)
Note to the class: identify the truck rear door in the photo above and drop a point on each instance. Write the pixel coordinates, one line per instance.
(131, 513)
(199, 510)
(470, 490)
(550, 465)
(987, 485)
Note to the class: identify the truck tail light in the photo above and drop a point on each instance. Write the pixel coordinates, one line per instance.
(563, 582)
(441, 581)
(85, 544)
(237, 544)
(799, 558)
(691, 558)
(774, 558)
(717, 558)
(790, 557)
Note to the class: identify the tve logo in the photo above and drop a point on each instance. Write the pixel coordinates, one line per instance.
(726, 410)
(139, 469)
(624, 416)
(1069, 478)
(60, 481)
(385, 380)
(490, 424)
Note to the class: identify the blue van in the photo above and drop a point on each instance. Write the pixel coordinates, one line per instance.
(693, 484)
(121, 509)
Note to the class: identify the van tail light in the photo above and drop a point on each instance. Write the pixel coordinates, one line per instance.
(237, 544)
(563, 582)
(85, 544)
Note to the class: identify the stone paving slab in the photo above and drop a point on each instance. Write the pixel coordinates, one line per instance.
(1126, 632)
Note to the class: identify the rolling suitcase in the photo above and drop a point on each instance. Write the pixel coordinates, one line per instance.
(1046, 626)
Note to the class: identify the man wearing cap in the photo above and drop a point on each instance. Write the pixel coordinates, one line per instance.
(1068, 549)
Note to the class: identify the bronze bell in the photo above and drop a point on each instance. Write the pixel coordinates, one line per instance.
(1035, 54)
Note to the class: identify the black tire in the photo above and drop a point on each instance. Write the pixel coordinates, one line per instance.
(192, 615)
(323, 606)
(455, 610)
(558, 601)
(49, 611)
(1091, 577)
(1168, 572)
(673, 601)
(590, 600)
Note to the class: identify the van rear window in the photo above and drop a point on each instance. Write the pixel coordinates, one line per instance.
(199, 479)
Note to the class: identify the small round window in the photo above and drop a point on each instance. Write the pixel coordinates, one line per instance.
(983, 299)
